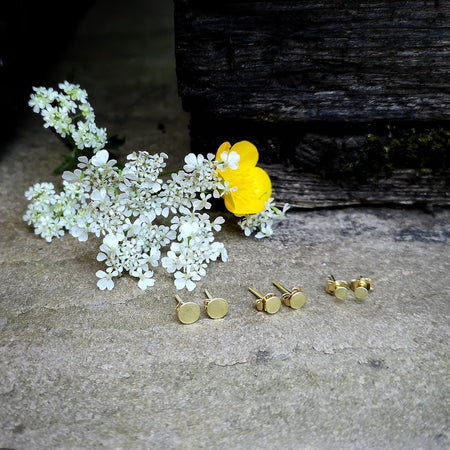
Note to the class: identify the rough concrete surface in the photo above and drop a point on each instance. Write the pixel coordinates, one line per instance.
(82, 368)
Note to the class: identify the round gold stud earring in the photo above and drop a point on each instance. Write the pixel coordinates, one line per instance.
(294, 298)
(269, 303)
(188, 312)
(361, 287)
(216, 308)
(338, 288)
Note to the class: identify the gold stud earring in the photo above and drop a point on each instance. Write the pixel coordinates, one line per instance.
(269, 303)
(338, 288)
(294, 298)
(361, 287)
(216, 308)
(188, 312)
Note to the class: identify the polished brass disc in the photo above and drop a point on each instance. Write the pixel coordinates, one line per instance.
(189, 312)
(361, 293)
(341, 292)
(272, 305)
(217, 308)
(297, 300)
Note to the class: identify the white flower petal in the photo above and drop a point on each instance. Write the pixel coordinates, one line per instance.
(100, 158)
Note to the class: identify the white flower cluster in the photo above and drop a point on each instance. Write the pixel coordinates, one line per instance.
(137, 214)
(262, 222)
(70, 114)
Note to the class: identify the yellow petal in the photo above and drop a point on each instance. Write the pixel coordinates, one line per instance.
(248, 153)
(254, 189)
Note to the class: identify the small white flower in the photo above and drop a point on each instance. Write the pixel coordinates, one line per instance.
(171, 262)
(217, 224)
(42, 98)
(188, 229)
(262, 222)
(202, 202)
(226, 189)
(153, 257)
(185, 280)
(100, 158)
(230, 160)
(72, 177)
(105, 281)
(80, 233)
(145, 277)
(192, 162)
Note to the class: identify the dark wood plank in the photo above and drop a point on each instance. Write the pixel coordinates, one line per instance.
(279, 73)
(403, 187)
(314, 60)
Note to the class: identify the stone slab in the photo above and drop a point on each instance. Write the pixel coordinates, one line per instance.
(82, 368)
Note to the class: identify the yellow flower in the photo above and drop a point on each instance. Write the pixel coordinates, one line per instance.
(253, 184)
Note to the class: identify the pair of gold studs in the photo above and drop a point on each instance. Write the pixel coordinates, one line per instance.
(189, 312)
(339, 288)
(271, 304)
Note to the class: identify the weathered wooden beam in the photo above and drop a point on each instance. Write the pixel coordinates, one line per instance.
(303, 80)
(315, 60)
(404, 187)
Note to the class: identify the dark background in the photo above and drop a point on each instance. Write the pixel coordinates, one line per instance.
(33, 37)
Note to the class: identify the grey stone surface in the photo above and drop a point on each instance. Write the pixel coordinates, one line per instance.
(82, 368)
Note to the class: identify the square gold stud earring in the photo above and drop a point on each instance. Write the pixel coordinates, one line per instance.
(294, 298)
(216, 308)
(188, 312)
(269, 303)
(338, 288)
(361, 287)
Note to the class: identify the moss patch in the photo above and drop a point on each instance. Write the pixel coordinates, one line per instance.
(402, 148)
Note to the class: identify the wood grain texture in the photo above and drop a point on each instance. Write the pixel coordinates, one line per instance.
(314, 60)
(281, 72)
(403, 187)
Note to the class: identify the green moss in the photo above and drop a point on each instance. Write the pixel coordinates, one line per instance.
(402, 148)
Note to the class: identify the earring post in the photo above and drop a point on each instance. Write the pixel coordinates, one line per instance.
(255, 292)
(281, 287)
